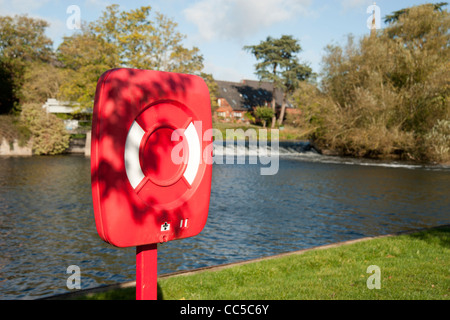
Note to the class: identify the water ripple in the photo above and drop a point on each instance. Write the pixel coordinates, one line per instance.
(47, 222)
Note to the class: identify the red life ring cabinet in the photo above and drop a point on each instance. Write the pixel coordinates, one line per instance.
(150, 180)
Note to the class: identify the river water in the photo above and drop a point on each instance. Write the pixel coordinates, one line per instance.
(47, 221)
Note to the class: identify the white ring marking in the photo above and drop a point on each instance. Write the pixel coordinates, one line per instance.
(132, 164)
(194, 153)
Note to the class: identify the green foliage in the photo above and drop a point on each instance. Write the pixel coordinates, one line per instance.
(134, 39)
(279, 64)
(30, 72)
(48, 132)
(41, 82)
(22, 43)
(383, 95)
(264, 113)
(274, 56)
(395, 16)
(86, 56)
(23, 38)
(249, 117)
(147, 41)
(213, 90)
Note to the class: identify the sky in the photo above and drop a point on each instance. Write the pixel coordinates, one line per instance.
(221, 28)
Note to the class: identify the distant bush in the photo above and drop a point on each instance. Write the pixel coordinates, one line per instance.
(48, 132)
(265, 114)
(387, 94)
(438, 140)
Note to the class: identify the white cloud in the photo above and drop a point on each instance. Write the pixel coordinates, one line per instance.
(231, 19)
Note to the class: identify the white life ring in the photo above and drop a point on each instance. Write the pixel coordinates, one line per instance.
(133, 167)
(142, 170)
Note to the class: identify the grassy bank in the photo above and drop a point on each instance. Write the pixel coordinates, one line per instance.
(412, 266)
(285, 132)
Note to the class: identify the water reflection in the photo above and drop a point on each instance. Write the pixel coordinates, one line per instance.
(47, 222)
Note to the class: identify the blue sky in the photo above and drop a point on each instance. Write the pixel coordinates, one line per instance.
(220, 28)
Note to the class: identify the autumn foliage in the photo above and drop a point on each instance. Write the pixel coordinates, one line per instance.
(385, 95)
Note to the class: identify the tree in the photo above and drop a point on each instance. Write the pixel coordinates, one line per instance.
(213, 90)
(86, 56)
(146, 41)
(41, 82)
(395, 16)
(264, 113)
(389, 94)
(22, 43)
(23, 39)
(278, 64)
(134, 39)
(292, 76)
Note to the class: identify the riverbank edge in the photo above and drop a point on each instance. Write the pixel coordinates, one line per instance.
(130, 284)
(13, 150)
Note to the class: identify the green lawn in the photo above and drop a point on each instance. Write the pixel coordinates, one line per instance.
(414, 266)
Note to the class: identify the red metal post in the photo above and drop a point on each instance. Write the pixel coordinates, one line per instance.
(146, 272)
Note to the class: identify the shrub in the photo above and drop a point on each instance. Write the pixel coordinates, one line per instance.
(384, 95)
(48, 132)
(438, 141)
(264, 114)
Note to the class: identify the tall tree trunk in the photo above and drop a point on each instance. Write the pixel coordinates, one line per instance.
(274, 118)
(274, 107)
(283, 110)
